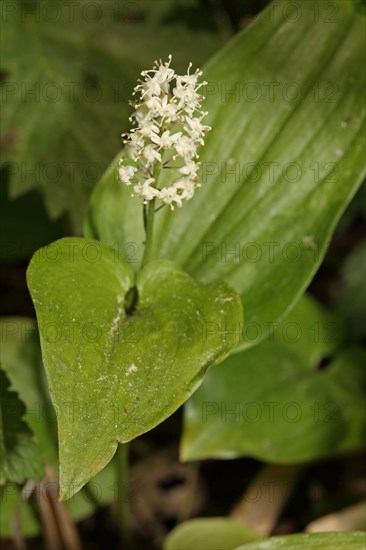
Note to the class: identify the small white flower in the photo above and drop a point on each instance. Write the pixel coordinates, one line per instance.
(167, 108)
(166, 140)
(133, 144)
(141, 114)
(154, 106)
(169, 195)
(186, 92)
(186, 186)
(195, 128)
(126, 173)
(162, 74)
(150, 88)
(150, 154)
(190, 169)
(146, 191)
(148, 128)
(186, 148)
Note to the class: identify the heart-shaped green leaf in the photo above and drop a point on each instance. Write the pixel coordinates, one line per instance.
(283, 159)
(113, 376)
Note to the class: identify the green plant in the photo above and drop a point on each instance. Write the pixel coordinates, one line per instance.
(133, 315)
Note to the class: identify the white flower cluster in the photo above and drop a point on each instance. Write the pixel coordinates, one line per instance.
(168, 131)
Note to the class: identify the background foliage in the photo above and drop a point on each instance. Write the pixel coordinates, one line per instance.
(66, 78)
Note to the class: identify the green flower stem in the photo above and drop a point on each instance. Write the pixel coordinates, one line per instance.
(122, 451)
(149, 213)
(123, 516)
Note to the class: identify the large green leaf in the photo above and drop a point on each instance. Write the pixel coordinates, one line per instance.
(290, 125)
(265, 402)
(67, 72)
(209, 533)
(20, 456)
(312, 541)
(113, 376)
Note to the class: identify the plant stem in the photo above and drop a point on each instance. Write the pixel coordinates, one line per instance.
(275, 482)
(149, 212)
(122, 495)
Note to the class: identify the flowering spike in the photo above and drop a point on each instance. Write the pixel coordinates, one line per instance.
(168, 130)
